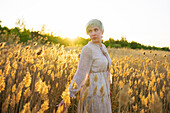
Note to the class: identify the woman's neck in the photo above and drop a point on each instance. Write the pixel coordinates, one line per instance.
(98, 43)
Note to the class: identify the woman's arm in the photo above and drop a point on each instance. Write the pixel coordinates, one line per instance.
(82, 72)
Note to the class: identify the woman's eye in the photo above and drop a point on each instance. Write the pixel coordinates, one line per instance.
(96, 30)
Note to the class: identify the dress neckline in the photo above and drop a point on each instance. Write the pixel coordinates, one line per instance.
(90, 42)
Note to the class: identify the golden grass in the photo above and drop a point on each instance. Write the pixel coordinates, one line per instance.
(34, 78)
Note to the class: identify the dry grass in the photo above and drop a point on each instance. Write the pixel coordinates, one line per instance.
(34, 78)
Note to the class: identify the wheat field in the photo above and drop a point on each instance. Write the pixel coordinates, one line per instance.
(34, 78)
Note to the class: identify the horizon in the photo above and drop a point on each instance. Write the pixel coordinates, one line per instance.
(145, 22)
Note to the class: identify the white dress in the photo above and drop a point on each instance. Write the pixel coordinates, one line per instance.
(92, 80)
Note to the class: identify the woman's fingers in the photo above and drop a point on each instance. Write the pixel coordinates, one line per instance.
(61, 103)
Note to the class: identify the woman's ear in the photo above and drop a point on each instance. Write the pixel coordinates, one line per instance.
(102, 31)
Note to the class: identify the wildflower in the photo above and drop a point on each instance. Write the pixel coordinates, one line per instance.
(27, 79)
(35, 43)
(27, 93)
(7, 67)
(132, 99)
(38, 75)
(56, 85)
(33, 68)
(74, 85)
(158, 80)
(26, 108)
(44, 88)
(146, 102)
(162, 76)
(27, 47)
(161, 94)
(52, 76)
(65, 97)
(2, 83)
(18, 97)
(139, 81)
(165, 56)
(38, 85)
(12, 103)
(13, 88)
(121, 84)
(10, 55)
(40, 52)
(1, 61)
(45, 105)
(2, 44)
(149, 97)
(13, 74)
(111, 70)
(132, 69)
(143, 100)
(16, 55)
(15, 65)
(135, 107)
(130, 91)
(48, 72)
(20, 59)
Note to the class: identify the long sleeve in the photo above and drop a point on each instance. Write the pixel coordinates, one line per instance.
(82, 71)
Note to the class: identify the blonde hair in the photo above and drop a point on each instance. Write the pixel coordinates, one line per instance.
(94, 23)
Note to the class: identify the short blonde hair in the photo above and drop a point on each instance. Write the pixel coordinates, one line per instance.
(94, 23)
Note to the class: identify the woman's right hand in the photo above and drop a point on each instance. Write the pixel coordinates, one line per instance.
(60, 105)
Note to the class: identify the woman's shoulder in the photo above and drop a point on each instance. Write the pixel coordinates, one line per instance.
(103, 45)
(87, 48)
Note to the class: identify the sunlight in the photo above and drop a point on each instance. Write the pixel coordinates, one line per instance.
(69, 20)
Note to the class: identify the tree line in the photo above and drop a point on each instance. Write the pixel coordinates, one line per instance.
(25, 35)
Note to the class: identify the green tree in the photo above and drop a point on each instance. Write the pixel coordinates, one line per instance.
(123, 42)
(133, 45)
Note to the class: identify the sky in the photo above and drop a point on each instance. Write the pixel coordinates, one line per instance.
(143, 21)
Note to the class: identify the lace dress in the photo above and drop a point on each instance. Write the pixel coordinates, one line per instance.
(92, 80)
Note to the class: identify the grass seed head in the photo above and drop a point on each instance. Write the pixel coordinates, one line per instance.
(124, 96)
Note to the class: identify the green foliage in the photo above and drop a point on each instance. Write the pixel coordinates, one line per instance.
(81, 41)
(25, 35)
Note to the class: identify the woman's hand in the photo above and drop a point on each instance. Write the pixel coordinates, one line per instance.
(60, 105)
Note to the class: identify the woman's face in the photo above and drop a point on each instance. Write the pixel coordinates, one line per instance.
(95, 34)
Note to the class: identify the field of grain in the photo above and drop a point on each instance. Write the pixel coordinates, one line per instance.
(35, 78)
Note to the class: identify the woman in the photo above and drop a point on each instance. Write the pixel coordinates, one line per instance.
(93, 73)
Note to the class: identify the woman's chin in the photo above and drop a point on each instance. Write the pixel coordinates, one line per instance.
(94, 41)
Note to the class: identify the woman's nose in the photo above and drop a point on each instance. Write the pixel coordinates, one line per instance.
(93, 33)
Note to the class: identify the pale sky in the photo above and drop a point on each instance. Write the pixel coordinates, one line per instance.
(144, 21)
